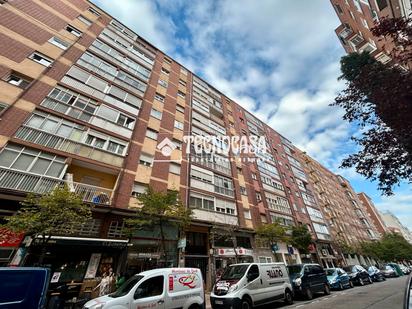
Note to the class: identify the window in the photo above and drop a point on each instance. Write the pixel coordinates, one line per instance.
(254, 176)
(165, 71)
(138, 189)
(162, 82)
(3, 106)
(93, 11)
(174, 168)
(365, 23)
(243, 190)
(179, 144)
(258, 197)
(32, 161)
(223, 185)
(146, 159)
(338, 9)
(84, 20)
(59, 43)
(180, 108)
(40, 58)
(358, 5)
(182, 82)
(151, 134)
(116, 147)
(247, 214)
(253, 273)
(202, 201)
(73, 30)
(183, 71)
(382, 4)
(265, 259)
(167, 60)
(178, 125)
(159, 97)
(225, 207)
(156, 114)
(95, 141)
(17, 80)
(149, 288)
(181, 94)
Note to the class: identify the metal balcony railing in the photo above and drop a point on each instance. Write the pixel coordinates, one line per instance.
(27, 182)
(56, 142)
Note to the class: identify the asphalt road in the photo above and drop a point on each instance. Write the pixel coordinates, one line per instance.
(379, 295)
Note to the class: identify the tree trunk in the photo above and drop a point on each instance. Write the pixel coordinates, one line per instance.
(162, 241)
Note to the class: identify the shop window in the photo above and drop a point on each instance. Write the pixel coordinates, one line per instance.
(243, 242)
(149, 288)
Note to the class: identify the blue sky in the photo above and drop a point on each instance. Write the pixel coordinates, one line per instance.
(278, 59)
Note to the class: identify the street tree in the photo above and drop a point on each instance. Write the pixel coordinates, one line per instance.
(391, 247)
(158, 210)
(41, 217)
(301, 238)
(272, 233)
(378, 99)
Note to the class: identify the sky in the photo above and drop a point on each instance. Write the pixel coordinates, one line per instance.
(278, 59)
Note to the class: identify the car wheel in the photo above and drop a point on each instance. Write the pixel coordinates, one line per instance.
(309, 294)
(361, 281)
(340, 286)
(327, 289)
(246, 304)
(370, 280)
(288, 297)
(351, 284)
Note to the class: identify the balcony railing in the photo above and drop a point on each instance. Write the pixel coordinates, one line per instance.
(26, 182)
(56, 142)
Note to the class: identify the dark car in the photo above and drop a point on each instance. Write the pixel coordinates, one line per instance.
(376, 274)
(358, 274)
(308, 279)
(388, 272)
(23, 287)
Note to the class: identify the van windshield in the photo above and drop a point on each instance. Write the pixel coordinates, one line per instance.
(126, 287)
(234, 272)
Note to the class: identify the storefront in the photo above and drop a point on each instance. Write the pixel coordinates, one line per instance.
(279, 252)
(327, 255)
(148, 249)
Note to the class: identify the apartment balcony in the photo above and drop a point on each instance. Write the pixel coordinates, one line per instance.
(32, 183)
(63, 144)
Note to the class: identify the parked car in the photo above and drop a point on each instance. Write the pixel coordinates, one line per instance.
(358, 274)
(248, 285)
(23, 287)
(308, 279)
(404, 269)
(396, 268)
(156, 288)
(338, 278)
(388, 271)
(376, 274)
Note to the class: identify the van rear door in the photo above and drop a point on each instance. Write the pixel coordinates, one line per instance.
(23, 287)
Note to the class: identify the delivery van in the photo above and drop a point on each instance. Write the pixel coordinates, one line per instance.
(252, 284)
(161, 288)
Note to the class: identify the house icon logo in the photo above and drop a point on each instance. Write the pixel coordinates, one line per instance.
(166, 146)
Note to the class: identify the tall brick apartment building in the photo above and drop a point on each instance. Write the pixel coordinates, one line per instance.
(359, 16)
(87, 102)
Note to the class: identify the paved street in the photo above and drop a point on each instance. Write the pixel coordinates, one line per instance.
(379, 295)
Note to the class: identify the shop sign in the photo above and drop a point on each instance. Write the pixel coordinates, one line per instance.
(9, 238)
(143, 255)
(231, 252)
(93, 265)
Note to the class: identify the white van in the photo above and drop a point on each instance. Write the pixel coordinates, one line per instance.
(252, 284)
(161, 288)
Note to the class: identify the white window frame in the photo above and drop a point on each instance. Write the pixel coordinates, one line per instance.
(41, 59)
(56, 41)
(179, 125)
(146, 159)
(73, 30)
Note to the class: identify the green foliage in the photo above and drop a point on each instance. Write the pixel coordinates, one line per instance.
(157, 208)
(301, 238)
(46, 215)
(272, 232)
(392, 247)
